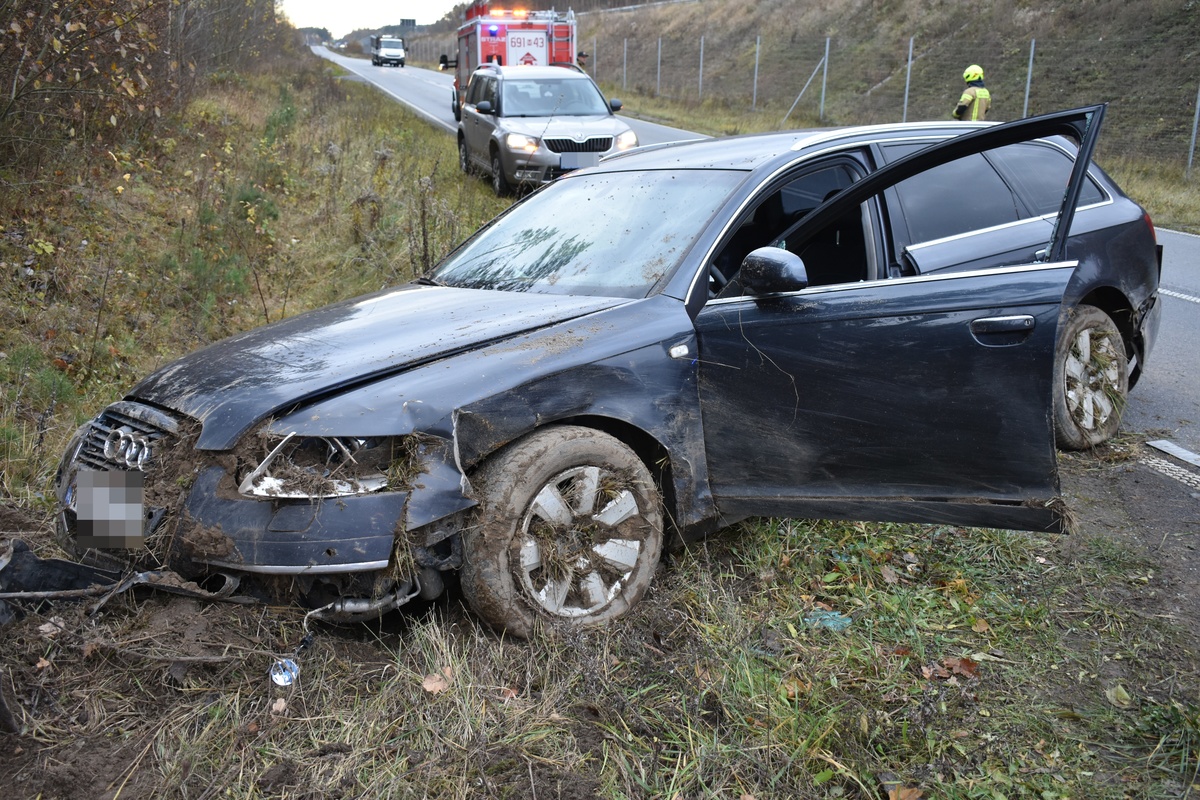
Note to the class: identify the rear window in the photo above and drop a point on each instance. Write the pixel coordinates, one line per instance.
(1040, 172)
(963, 195)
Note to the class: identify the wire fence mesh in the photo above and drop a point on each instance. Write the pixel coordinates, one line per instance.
(861, 83)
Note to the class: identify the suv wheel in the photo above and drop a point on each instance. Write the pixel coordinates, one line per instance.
(464, 158)
(1091, 379)
(499, 183)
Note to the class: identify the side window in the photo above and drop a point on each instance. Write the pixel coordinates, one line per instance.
(488, 91)
(474, 90)
(1039, 172)
(961, 196)
(834, 255)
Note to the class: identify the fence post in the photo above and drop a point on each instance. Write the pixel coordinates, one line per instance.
(658, 72)
(624, 63)
(1028, 78)
(595, 60)
(1192, 147)
(824, 79)
(754, 97)
(700, 89)
(907, 79)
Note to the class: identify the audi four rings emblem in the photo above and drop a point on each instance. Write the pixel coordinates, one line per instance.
(129, 448)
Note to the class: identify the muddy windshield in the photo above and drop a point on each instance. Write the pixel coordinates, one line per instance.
(612, 234)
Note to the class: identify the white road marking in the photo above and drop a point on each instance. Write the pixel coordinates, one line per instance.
(1179, 295)
(1172, 449)
(1164, 467)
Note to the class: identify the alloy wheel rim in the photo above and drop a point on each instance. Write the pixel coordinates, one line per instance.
(1093, 379)
(580, 542)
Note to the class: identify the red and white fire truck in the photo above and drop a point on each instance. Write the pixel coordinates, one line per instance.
(508, 37)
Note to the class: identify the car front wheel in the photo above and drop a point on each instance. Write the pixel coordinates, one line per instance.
(1091, 379)
(569, 531)
(464, 158)
(499, 182)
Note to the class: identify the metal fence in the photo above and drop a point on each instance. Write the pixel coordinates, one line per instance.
(840, 81)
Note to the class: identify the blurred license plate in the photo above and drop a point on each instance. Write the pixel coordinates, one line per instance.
(110, 509)
(579, 160)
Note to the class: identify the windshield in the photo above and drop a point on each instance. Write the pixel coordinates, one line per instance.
(563, 97)
(396, 43)
(609, 234)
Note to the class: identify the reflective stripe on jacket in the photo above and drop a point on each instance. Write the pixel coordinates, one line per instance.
(975, 100)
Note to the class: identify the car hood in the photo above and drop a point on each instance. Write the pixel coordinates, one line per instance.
(567, 127)
(233, 384)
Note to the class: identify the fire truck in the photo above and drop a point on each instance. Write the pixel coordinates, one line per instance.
(508, 37)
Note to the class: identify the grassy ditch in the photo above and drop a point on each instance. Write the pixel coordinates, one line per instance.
(273, 194)
(777, 660)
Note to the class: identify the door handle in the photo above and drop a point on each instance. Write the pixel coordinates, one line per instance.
(1015, 324)
(1002, 331)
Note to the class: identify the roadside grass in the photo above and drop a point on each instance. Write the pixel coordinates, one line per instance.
(779, 659)
(775, 660)
(272, 195)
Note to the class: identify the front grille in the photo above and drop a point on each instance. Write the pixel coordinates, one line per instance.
(149, 424)
(597, 144)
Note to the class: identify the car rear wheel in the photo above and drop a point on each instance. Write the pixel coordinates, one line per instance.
(1091, 379)
(569, 531)
(499, 182)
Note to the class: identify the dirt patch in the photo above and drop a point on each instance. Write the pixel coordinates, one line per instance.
(1121, 492)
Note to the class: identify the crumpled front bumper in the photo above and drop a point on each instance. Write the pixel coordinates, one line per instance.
(214, 528)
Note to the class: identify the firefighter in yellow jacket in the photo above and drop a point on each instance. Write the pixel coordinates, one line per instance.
(976, 99)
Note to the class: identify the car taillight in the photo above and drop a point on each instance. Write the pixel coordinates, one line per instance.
(1149, 224)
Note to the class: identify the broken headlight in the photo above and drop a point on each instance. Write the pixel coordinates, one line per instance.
(315, 467)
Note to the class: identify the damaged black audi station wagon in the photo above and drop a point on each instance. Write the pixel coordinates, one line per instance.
(644, 352)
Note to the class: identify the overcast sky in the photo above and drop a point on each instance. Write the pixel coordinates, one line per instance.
(342, 16)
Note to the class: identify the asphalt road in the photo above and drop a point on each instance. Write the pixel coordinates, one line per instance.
(1165, 403)
(427, 93)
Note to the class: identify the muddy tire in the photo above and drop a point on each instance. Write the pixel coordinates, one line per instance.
(464, 158)
(500, 183)
(569, 532)
(1091, 379)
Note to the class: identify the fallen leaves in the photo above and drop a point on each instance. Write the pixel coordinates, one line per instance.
(1118, 696)
(962, 666)
(949, 667)
(438, 682)
(52, 627)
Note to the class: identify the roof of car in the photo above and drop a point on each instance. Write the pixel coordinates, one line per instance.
(521, 71)
(749, 151)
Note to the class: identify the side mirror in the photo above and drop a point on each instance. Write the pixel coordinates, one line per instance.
(443, 61)
(615, 104)
(771, 270)
(484, 107)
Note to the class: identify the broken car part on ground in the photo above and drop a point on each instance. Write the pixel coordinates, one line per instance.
(803, 324)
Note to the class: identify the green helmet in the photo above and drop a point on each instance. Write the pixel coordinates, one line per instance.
(973, 73)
